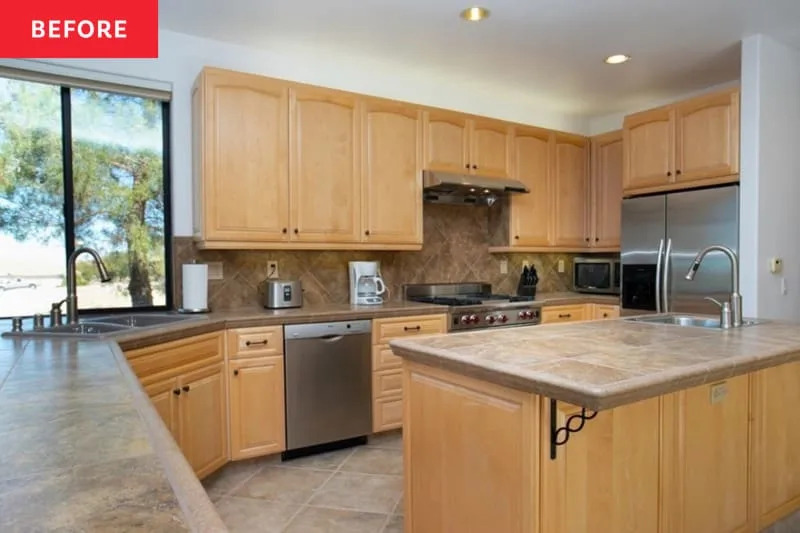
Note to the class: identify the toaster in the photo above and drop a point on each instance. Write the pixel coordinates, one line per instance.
(279, 294)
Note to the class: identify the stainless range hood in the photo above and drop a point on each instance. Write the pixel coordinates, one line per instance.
(446, 188)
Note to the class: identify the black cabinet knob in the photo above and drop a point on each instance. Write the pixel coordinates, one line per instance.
(236, 372)
(466, 166)
(596, 239)
(587, 239)
(366, 233)
(185, 388)
(475, 167)
(516, 237)
(176, 392)
(296, 231)
(669, 173)
(677, 172)
(284, 230)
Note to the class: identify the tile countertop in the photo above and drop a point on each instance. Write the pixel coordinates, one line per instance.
(606, 363)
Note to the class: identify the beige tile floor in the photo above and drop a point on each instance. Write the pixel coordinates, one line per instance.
(356, 490)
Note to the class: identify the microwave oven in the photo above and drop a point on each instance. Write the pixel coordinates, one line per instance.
(596, 275)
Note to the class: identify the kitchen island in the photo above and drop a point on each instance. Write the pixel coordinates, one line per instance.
(602, 426)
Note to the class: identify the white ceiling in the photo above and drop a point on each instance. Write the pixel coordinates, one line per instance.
(553, 48)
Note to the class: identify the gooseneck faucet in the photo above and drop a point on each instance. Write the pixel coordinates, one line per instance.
(736, 297)
(72, 291)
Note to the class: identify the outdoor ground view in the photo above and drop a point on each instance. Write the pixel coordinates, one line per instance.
(115, 196)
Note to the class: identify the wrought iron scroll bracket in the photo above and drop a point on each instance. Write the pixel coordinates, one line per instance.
(574, 423)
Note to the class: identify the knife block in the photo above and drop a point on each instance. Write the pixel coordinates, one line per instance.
(526, 290)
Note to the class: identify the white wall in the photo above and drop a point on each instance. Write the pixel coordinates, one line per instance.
(770, 177)
(613, 121)
(182, 56)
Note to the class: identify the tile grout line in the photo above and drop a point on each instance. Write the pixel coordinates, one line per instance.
(313, 492)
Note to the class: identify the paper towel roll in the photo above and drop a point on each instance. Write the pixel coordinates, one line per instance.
(195, 287)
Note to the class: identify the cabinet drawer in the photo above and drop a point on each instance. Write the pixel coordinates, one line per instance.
(174, 357)
(606, 311)
(386, 329)
(387, 383)
(384, 359)
(255, 342)
(387, 413)
(563, 313)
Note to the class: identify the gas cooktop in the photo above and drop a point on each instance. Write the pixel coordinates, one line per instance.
(475, 306)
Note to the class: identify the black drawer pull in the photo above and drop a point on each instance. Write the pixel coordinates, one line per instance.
(185, 388)
(251, 343)
(412, 328)
(565, 315)
(176, 392)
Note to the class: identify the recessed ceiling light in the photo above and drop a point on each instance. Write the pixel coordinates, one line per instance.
(616, 59)
(475, 13)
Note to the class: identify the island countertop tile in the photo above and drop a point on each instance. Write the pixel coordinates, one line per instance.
(602, 364)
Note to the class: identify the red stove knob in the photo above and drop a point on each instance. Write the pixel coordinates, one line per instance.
(523, 314)
(474, 319)
(490, 319)
(528, 314)
(503, 318)
(464, 319)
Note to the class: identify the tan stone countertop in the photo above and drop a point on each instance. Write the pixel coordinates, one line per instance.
(602, 364)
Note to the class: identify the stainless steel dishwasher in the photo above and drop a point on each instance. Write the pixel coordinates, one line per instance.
(328, 382)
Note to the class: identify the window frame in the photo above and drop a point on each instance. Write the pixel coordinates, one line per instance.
(68, 181)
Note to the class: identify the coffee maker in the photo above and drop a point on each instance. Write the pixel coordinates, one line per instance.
(366, 284)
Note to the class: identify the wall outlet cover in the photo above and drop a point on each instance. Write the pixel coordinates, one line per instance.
(272, 269)
(526, 263)
(504, 266)
(776, 265)
(560, 266)
(215, 270)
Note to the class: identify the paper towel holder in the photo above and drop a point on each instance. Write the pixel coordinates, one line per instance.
(193, 311)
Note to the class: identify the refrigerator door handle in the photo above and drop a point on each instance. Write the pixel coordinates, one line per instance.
(658, 276)
(665, 281)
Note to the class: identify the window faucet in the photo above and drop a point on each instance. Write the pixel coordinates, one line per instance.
(736, 297)
(72, 292)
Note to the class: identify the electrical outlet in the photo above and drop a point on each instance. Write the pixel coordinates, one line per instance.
(560, 266)
(215, 270)
(526, 263)
(776, 265)
(718, 392)
(272, 269)
(504, 266)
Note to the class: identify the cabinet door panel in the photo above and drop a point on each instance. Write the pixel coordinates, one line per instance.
(203, 419)
(776, 456)
(165, 400)
(605, 478)
(648, 148)
(392, 166)
(606, 190)
(257, 407)
(325, 180)
(531, 213)
(491, 148)
(570, 177)
(706, 459)
(707, 130)
(564, 313)
(446, 140)
(244, 172)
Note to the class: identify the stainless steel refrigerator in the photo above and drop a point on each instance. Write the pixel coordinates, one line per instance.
(661, 234)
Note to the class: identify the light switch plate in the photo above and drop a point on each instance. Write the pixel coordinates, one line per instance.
(560, 266)
(526, 263)
(504, 266)
(272, 269)
(215, 270)
(718, 392)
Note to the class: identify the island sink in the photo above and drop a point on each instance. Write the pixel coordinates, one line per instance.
(685, 320)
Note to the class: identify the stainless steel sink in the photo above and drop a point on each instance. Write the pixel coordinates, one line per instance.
(141, 320)
(684, 320)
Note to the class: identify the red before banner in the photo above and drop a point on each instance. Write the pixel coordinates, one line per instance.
(43, 29)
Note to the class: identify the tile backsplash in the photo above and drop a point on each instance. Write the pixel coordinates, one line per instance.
(455, 249)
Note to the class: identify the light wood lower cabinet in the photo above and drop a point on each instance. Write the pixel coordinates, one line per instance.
(186, 383)
(776, 443)
(387, 389)
(605, 478)
(601, 311)
(564, 313)
(706, 458)
(470, 450)
(256, 382)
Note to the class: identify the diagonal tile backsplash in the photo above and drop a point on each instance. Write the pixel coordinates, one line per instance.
(455, 249)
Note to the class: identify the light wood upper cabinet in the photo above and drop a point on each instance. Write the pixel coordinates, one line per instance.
(391, 209)
(530, 216)
(447, 145)
(204, 419)
(257, 406)
(240, 161)
(776, 443)
(606, 477)
(707, 136)
(491, 152)
(687, 144)
(648, 148)
(605, 209)
(706, 459)
(325, 178)
(570, 181)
